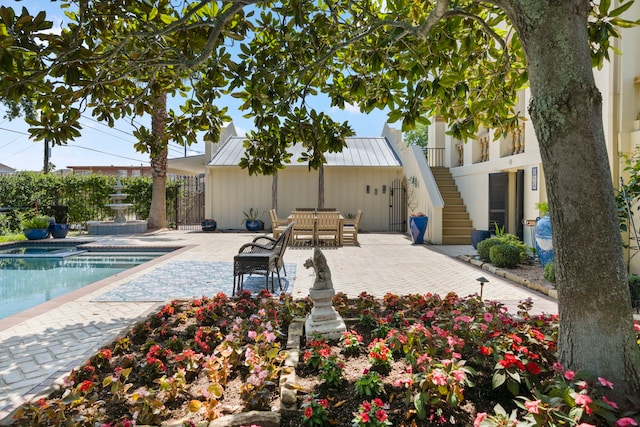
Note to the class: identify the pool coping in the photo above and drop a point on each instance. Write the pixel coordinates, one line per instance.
(44, 307)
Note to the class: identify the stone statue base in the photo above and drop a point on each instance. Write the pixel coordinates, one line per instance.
(324, 319)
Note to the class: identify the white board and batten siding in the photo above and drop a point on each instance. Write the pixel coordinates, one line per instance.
(364, 162)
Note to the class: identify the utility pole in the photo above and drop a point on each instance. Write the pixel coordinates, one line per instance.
(46, 156)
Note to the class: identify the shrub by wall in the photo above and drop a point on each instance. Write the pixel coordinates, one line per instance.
(504, 256)
(85, 195)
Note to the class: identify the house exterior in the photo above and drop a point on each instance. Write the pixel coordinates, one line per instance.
(501, 181)
(112, 170)
(362, 177)
(6, 170)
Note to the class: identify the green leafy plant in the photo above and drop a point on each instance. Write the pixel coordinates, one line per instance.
(485, 246)
(37, 222)
(332, 371)
(550, 272)
(504, 256)
(252, 215)
(370, 384)
(543, 208)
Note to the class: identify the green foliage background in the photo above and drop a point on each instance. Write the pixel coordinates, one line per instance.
(86, 196)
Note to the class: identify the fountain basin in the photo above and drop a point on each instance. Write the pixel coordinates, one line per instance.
(111, 227)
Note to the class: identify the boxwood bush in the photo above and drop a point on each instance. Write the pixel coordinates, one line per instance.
(485, 246)
(504, 255)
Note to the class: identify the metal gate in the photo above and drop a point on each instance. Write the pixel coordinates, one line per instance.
(189, 202)
(398, 206)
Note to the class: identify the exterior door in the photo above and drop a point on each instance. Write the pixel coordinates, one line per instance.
(498, 201)
(398, 206)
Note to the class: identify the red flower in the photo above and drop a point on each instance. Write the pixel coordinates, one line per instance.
(484, 350)
(533, 368)
(308, 412)
(381, 415)
(85, 385)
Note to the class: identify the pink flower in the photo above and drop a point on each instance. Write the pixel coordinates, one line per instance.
(488, 317)
(557, 367)
(532, 406)
(614, 405)
(582, 399)
(438, 378)
(252, 335)
(605, 382)
(479, 418)
(626, 422)
(569, 375)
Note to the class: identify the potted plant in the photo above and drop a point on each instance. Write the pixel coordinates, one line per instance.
(252, 219)
(36, 228)
(417, 220)
(209, 224)
(60, 227)
(542, 234)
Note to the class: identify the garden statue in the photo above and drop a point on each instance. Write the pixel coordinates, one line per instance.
(324, 319)
(323, 274)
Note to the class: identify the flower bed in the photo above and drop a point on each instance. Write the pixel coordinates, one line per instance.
(413, 360)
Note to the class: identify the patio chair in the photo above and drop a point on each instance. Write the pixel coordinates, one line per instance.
(350, 230)
(304, 230)
(328, 228)
(277, 225)
(262, 256)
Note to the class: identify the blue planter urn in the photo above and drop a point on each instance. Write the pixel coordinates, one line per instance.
(59, 231)
(253, 225)
(478, 236)
(417, 227)
(209, 225)
(36, 233)
(542, 236)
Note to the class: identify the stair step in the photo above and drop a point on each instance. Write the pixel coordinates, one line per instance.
(456, 216)
(456, 240)
(451, 208)
(449, 222)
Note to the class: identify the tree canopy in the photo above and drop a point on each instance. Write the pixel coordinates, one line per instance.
(463, 60)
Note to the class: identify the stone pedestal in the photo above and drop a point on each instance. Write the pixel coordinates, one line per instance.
(324, 319)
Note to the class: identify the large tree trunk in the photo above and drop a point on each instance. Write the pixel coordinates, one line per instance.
(159, 155)
(596, 322)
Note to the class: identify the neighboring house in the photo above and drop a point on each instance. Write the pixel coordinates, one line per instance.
(112, 170)
(362, 176)
(6, 170)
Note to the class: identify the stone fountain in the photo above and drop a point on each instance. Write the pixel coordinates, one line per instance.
(119, 225)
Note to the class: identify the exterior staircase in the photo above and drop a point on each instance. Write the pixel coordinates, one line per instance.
(456, 225)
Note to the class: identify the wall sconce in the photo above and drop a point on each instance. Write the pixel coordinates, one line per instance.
(384, 189)
(368, 189)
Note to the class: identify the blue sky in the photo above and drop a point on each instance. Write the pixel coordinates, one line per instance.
(103, 146)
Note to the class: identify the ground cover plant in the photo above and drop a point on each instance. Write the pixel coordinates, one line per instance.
(415, 360)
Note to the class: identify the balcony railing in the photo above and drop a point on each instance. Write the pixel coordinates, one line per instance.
(435, 156)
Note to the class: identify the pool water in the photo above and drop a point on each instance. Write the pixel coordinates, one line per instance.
(26, 281)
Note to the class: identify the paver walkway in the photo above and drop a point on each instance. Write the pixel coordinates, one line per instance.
(41, 346)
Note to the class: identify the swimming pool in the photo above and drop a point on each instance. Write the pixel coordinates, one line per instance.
(32, 274)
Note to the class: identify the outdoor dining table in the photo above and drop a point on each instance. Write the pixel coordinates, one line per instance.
(310, 223)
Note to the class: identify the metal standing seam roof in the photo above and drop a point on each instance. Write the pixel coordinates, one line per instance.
(360, 151)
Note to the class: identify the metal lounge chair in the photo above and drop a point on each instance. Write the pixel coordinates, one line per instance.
(263, 256)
